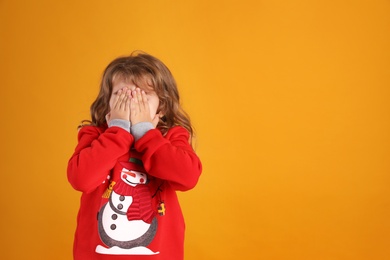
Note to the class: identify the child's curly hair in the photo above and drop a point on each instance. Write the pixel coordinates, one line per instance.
(142, 69)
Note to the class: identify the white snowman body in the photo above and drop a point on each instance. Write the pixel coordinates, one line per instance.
(124, 236)
(115, 222)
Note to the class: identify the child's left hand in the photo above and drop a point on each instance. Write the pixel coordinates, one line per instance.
(140, 110)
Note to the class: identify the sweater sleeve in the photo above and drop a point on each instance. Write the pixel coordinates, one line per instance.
(95, 155)
(170, 158)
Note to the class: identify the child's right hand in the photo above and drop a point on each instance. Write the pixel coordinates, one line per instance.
(121, 106)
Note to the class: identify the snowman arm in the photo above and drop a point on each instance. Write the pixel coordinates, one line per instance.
(95, 155)
(170, 157)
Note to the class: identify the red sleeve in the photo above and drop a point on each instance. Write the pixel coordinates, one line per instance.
(170, 158)
(95, 155)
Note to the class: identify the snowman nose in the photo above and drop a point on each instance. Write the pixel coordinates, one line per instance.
(129, 173)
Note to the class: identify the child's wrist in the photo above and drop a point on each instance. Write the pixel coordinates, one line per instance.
(138, 130)
(122, 123)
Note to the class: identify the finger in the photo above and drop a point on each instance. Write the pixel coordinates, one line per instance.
(125, 101)
(136, 101)
(121, 97)
(119, 103)
(145, 101)
(133, 106)
(127, 104)
(117, 98)
(144, 97)
(139, 97)
(140, 100)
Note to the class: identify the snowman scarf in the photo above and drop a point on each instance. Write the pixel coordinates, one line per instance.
(141, 207)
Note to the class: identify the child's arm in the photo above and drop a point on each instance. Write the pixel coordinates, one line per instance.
(95, 155)
(98, 149)
(170, 158)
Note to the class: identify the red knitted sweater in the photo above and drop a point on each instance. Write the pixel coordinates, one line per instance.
(129, 208)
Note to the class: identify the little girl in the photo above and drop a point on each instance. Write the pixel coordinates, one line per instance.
(130, 161)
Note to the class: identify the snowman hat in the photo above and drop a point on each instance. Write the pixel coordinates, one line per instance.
(134, 164)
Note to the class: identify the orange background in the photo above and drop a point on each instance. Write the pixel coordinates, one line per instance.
(290, 100)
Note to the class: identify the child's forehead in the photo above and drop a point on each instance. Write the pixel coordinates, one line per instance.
(120, 81)
(119, 84)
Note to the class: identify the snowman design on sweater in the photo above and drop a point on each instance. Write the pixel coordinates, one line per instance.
(127, 222)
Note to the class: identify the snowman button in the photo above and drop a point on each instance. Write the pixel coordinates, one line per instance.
(120, 206)
(114, 216)
(113, 227)
(122, 198)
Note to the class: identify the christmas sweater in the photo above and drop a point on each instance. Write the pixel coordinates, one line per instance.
(129, 208)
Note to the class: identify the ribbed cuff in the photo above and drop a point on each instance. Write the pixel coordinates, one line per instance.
(138, 130)
(124, 124)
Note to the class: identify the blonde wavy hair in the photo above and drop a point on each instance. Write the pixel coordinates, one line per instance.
(140, 68)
